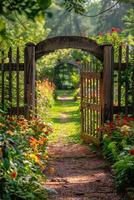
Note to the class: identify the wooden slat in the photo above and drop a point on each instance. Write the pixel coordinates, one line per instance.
(10, 78)
(90, 74)
(17, 82)
(126, 82)
(88, 102)
(132, 82)
(13, 66)
(133, 92)
(122, 109)
(108, 82)
(123, 66)
(82, 114)
(13, 110)
(2, 84)
(92, 106)
(29, 80)
(119, 78)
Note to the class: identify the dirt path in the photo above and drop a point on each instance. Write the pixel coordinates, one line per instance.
(78, 173)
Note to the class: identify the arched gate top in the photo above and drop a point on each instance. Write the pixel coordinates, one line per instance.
(63, 42)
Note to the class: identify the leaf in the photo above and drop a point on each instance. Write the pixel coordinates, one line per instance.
(44, 4)
(6, 163)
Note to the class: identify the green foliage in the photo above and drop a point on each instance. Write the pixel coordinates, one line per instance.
(113, 17)
(35, 7)
(129, 22)
(22, 158)
(76, 5)
(45, 97)
(110, 150)
(30, 8)
(127, 1)
(124, 172)
(118, 148)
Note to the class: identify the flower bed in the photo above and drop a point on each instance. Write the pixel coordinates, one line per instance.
(118, 148)
(23, 157)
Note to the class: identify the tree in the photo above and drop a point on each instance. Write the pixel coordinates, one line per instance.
(34, 7)
(112, 18)
(64, 22)
(129, 22)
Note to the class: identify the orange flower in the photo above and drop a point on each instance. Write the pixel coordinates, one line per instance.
(2, 125)
(32, 139)
(10, 132)
(13, 174)
(33, 142)
(42, 140)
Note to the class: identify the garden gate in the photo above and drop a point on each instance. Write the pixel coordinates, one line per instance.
(91, 101)
(96, 88)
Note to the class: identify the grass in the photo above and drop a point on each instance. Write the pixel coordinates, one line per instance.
(68, 93)
(65, 116)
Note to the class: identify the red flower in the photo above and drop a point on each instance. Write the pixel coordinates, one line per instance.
(38, 156)
(118, 117)
(130, 119)
(111, 125)
(117, 30)
(131, 152)
(13, 174)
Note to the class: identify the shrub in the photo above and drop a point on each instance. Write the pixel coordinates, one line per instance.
(45, 97)
(124, 172)
(118, 148)
(23, 157)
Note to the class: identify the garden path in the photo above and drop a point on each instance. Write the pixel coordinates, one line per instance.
(77, 172)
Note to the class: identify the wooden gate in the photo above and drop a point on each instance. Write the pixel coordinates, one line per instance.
(102, 94)
(91, 102)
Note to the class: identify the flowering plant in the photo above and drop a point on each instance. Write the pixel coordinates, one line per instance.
(45, 96)
(23, 157)
(118, 148)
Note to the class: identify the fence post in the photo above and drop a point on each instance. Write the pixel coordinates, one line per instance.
(108, 73)
(29, 79)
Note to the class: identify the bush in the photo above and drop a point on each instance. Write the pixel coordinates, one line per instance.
(124, 172)
(118, 148)
(23, 157)
(45, 97)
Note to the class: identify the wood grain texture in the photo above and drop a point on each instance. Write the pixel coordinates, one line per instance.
(108, 82)
(29, 80)
(64, 42)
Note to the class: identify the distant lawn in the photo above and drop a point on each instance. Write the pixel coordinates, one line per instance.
(68, 93)
(65, 116)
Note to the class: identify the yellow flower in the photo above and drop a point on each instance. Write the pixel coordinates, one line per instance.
(10, 132)
(34, 157)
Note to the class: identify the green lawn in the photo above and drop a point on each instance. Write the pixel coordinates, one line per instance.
(68, 93)
(65, 116)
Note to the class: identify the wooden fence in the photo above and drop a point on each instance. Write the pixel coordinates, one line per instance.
(12, 83)
(106, 91)
(116, 91)
(123, 82)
